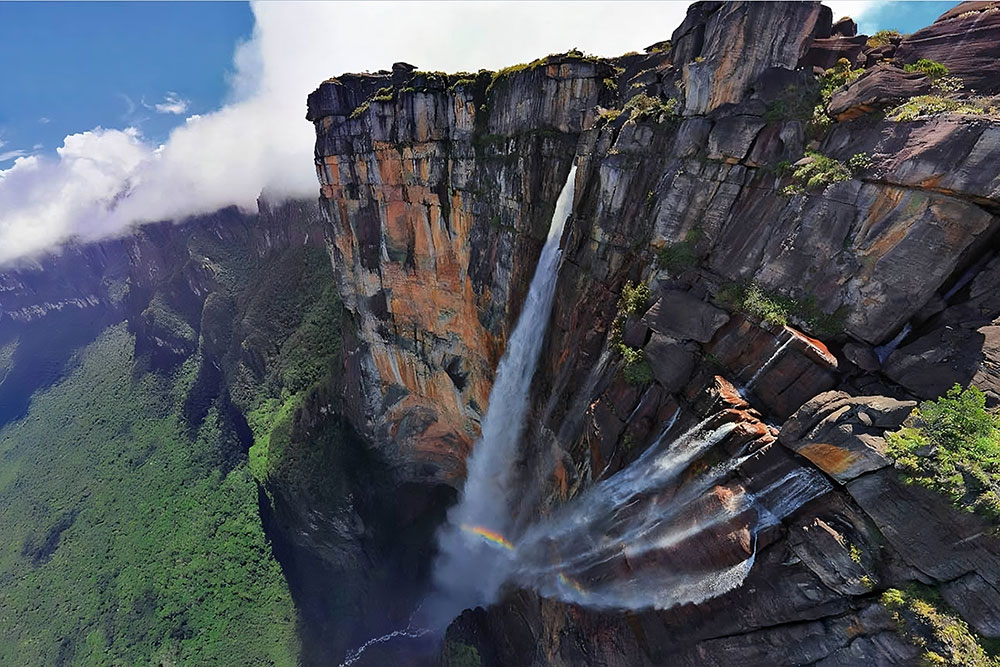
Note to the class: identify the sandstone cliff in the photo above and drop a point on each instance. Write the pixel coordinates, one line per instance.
(763, 151)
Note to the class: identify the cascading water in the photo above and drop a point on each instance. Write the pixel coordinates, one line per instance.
(625, 543)
(469, 570)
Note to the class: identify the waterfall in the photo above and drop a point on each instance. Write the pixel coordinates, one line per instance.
(767, 364)
(661, 532)
(474, 558)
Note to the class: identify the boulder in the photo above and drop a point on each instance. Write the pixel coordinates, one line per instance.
(842, 434)
(683, 315)
(844, 27)
(881, 87)
(672, 361)
(824, 53)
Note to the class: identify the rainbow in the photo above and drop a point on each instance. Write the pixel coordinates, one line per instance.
(489, 535)
(575, 585)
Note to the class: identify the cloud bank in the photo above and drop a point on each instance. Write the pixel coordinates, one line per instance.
(103, 181)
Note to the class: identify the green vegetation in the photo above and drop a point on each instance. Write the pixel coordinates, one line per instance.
(820, 171)
(359, 111)
(386, 94)
(947, 84)
(636, 368)
(659, 47)
(855, 553)
(166, 322)
(932, 68)
(642, 107)
(837, 76)
(676, 257)
(952, 445)
(131, 527)
(609, 115)
(572, 54)
(923, 619)
(7, 351)
(860, 162)
(752, 299)
(123, 543)
(883, 38)
(923, 106)
(460, 654)
(633, 301)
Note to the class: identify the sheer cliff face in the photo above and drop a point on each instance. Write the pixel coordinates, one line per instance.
(439, 191)
(695, 175)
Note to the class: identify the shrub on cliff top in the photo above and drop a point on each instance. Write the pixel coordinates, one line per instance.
(752, 299)
(572, 54)
(952, 445)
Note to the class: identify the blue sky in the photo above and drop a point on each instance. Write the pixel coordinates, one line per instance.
(81, 65)
(905, 17)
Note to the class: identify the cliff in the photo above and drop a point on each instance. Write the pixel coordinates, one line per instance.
(817, 224)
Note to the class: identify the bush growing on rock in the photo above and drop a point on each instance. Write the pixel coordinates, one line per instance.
(952, 445)
(643, 107)
(817, 170)
(923, 619)
(883, 38)
(922, 106)
(933, 69)
(633, 301)
(752, 299)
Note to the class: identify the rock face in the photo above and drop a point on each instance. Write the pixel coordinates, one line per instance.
(856, 293)
(440, 194)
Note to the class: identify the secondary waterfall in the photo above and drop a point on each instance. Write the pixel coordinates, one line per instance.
(469, 570)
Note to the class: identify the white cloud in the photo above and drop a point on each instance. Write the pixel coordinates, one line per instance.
(103, 181)
(44, 120)
(172, 103)
(6, 156)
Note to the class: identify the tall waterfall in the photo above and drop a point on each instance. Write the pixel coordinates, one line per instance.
(470, 569)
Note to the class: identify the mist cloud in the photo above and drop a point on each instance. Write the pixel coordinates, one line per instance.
(103, 181)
